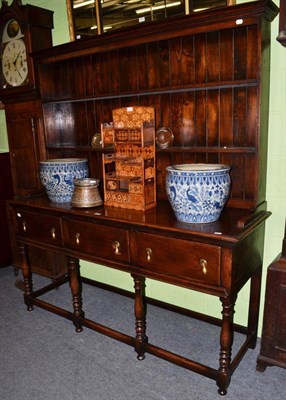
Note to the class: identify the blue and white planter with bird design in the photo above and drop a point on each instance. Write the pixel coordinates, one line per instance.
(198, 192)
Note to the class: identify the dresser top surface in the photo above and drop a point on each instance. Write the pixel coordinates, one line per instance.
(233, 225)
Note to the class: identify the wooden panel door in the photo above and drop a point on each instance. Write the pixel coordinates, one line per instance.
(6, 192)
(26, 144)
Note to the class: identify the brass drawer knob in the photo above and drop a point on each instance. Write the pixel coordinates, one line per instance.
(116, 247)
(77, 237)
(149, 254)
(204, 264)
(24, 225)
(53, 232)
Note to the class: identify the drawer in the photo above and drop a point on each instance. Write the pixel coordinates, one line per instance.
(177, 257)
(39, 227)
(100, 241)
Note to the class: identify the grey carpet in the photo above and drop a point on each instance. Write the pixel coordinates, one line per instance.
(43, 358)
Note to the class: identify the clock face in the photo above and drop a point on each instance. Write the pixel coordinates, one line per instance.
(14, 63)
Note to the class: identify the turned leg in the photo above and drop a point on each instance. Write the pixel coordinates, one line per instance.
(226, 340)
(75, 285)
(27, 276)
(140, 316)
(254, 303)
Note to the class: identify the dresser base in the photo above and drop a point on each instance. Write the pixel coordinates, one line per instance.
(141, 346)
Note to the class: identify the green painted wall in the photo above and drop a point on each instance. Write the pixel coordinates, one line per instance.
(276, 185)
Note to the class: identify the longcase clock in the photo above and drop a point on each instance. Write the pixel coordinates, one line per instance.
(23, 30)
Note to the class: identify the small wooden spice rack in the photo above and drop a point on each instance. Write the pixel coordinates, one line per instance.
(129, 173)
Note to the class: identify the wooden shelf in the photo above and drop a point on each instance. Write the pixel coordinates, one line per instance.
(82, 148)
(194, 149)
(171, 149)
(166, 90)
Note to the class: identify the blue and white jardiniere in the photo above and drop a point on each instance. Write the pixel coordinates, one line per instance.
(198, 192)
(57, 177)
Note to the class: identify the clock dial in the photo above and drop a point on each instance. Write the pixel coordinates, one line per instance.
(14, 63)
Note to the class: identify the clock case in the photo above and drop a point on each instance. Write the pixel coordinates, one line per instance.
(22, 104)
(25, 128)
(36, 24)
